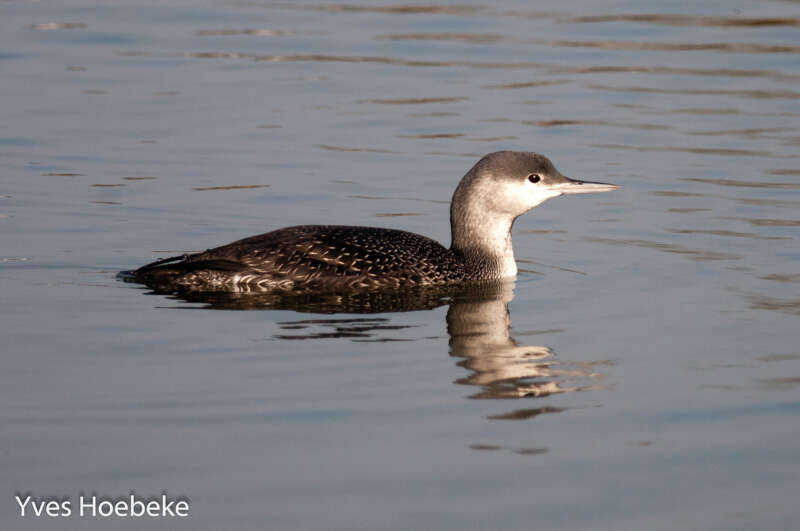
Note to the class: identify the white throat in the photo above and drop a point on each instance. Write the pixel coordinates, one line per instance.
(481, 215)
(490, 236)
(484, 233)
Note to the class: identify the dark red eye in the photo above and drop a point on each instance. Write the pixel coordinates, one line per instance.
(534, 178)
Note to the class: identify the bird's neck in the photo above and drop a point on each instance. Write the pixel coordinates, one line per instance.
(484, 244)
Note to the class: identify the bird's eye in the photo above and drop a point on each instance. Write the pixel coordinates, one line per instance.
(534, 178)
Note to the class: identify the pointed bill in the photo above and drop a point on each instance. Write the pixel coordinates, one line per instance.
(573, 186)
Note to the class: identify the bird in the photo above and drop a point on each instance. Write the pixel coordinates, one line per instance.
(498, 189)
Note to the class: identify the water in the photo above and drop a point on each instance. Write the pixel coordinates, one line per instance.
(651, 375)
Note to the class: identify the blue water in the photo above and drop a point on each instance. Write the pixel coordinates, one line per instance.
(650, 375)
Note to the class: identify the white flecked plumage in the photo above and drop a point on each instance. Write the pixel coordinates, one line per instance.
(498, 189)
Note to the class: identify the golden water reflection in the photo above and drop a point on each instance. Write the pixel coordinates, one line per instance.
(478, 325)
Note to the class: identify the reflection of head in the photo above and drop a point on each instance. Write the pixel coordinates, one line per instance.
(478, 323)
(479, 327)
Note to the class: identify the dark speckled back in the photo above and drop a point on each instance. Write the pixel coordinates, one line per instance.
(329, 256)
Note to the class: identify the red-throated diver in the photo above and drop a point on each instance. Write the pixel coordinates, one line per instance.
(498, 189)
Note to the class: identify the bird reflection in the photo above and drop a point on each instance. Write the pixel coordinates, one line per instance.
(385, 301)
(478, 324)
(479, 327)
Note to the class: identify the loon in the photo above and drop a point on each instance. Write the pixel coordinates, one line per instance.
(499, 188)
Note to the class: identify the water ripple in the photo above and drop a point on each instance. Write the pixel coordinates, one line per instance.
(787, 306)
(690, 20)
(528, 84)
(791, 278)
(49, 26)
(743, 184)
(766, 222)
(752, 133)
(755, 94)
(471, 38)
(699, 150)
(727, 233)
(604, 123)
(328, 147)
(248, 31)
(230, 187)
(401, 9)
(699, 255)
(560, 17)
(730, 47)
(784, 171)
(432, 136)
(414, 101)
(552, 68)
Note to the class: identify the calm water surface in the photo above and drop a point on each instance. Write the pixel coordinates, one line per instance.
(643, 372)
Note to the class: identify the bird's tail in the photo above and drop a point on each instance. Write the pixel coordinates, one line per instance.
(170, 271)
